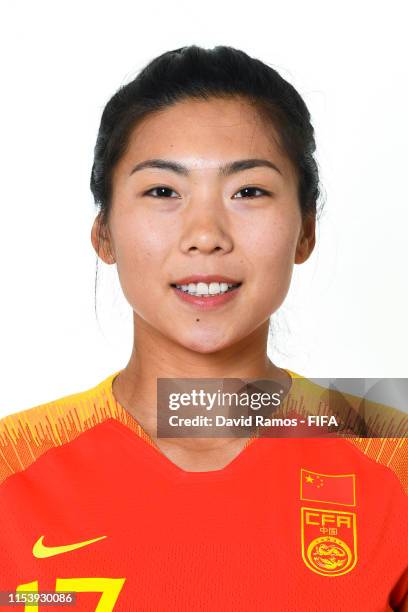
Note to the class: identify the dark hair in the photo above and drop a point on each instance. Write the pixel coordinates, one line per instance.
(195, 72)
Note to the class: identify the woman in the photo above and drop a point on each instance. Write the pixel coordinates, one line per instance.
(207, 187)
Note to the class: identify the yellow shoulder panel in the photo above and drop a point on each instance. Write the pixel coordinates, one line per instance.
(26, 435)
(389, 451)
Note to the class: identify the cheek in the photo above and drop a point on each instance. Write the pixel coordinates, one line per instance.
(140, 249)
(271, 252)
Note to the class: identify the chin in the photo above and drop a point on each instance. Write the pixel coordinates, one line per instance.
(205, 345)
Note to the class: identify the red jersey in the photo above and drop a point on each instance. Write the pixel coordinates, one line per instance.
(90, 505)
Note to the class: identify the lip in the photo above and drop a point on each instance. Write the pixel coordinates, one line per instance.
(207, 303)
(206, 278)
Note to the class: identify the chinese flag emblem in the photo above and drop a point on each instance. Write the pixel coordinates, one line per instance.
(329, 488)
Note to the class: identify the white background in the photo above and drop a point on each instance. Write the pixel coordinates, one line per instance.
(346, 311)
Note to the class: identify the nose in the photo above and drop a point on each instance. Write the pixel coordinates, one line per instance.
(205, 229)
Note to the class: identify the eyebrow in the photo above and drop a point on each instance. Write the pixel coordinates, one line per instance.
(224, 170)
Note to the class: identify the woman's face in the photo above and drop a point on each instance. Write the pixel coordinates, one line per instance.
(200, 212)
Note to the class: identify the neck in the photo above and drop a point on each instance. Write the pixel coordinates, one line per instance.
(156, 356)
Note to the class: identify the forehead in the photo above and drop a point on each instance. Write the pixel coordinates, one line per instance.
(208, 130)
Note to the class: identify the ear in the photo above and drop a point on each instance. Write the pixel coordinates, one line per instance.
(307, 239)
(101, 241)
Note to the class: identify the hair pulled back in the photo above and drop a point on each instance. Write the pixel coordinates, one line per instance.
(198, 73)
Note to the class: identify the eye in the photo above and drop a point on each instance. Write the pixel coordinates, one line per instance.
(249, 192)
(160, 192)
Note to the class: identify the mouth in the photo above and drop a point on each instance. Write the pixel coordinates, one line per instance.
(206, 294)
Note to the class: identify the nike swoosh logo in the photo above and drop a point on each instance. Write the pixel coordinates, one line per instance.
(41, 551)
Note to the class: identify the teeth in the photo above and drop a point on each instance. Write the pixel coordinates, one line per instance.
(205, 289)
(202, 289)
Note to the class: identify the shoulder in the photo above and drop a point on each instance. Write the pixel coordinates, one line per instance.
(391, 453)
(27, 434)
(377, 432)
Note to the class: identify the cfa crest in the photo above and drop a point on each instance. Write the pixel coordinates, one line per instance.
(329, 541)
